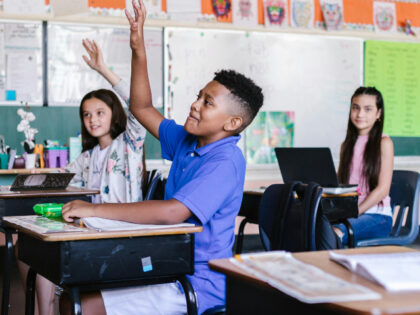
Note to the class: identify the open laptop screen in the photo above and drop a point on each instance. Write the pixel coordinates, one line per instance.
(307, 165)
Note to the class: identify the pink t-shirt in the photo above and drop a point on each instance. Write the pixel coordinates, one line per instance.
(356, 170)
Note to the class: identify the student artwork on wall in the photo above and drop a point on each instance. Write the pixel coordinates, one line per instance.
(27, 6)
(221, 8)
(302, 13)
(245, 12)
(384, 17)
(267, 131)
(332, 11)
(184, 10)
(275, 13)
(153, 7)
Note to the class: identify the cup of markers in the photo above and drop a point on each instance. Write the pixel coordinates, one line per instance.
(49, 210)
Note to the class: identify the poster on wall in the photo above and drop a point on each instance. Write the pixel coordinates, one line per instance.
(183, 10)
(221, 9)
(270, 129)
(245, 12)
(153, 7)
(275, 13)
(302, 13)
(27, 6)
(384, 17)
(332, 11)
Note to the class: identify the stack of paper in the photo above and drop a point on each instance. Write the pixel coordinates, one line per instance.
(101, 224)
(393, 271)
(299, 280)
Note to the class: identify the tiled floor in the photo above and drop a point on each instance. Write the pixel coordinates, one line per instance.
(17, 299)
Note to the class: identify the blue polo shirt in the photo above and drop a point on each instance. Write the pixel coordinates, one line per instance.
(209, 181)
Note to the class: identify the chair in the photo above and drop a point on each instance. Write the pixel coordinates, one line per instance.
(404, 193)
(154, 186)
(293, 229)
(217, 310)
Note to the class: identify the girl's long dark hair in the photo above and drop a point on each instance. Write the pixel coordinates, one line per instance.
(372, 154)
(118, 119)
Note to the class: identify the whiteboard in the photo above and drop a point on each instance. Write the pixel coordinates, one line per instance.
(21, 63)
(313, 76)
(69, 78)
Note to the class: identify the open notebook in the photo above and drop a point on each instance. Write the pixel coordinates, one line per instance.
(101, 224)
(393, 271)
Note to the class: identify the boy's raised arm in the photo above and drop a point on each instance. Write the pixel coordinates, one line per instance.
(140, 94)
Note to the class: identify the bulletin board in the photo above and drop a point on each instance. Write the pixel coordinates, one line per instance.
(69, 78)
(21, 63)
(312, 76)
(394, 69)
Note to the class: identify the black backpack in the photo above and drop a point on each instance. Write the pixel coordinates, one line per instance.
(290, 219)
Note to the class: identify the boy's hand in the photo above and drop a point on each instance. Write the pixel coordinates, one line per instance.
(136, 24)
(95, 60)
(77, 209)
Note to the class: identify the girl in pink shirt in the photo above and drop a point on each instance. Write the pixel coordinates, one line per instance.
(367, 159)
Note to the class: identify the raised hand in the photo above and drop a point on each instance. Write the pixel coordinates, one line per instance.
(95, 59)
(136, 24)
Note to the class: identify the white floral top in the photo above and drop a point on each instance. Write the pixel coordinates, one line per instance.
(122, 172)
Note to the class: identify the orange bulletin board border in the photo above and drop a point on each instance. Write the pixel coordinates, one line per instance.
(355, 11)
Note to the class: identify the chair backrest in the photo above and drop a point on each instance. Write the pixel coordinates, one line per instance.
(155, 185)
(288, 216)
(404, 194)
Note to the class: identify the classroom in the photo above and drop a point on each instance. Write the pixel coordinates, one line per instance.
(308, 57)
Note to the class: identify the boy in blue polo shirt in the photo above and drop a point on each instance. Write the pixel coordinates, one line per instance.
(204, 186)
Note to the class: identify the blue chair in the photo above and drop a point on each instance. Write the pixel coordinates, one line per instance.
(296, 228)
(404, 193)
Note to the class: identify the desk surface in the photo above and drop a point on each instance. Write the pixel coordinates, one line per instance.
(13, 221)
(29, 171)
(260, 192)
(390, 303)
(69, 191)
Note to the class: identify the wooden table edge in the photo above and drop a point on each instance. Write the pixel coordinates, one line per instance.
(93, 234)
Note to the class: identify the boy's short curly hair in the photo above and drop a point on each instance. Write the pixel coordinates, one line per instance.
(247, 94)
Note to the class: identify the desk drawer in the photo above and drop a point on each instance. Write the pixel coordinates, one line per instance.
(109, 260)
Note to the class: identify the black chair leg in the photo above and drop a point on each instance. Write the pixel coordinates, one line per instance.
(8, 260)
(30, 292)
(189, 295)
(240, 239)
(76, 304)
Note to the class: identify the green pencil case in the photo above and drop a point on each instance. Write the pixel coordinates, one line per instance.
(49, 210)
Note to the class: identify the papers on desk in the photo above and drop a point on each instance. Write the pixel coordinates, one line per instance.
(44, 225)
(101, 224)
(339, 190)
(299, 280)
(393, 271)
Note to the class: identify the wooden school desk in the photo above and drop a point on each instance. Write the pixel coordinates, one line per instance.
(245, 294)
(91, 260)
(21, 203)
(251, 202)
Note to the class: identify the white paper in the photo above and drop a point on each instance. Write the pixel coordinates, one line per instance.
(153, 7)
(2, 65)
(302, 13)
(245, 12)
(301, 281)
(275, 13)
(384, 17)
(101, 224)
(24, 6)
(393, 271)
(22, 75)
(184, 10)
(19, 36)
(332, 11)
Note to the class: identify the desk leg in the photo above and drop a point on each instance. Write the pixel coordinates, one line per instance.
(189, 295)
(8, 260)
(76, 304)
(30, 292)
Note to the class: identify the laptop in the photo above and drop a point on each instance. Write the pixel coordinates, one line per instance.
(310, 165)
(41, 181)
